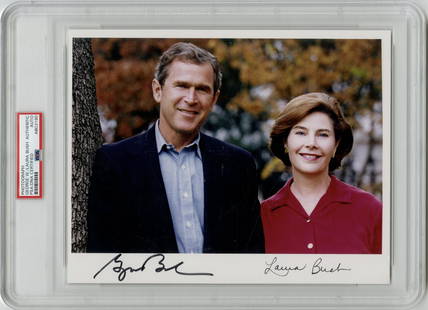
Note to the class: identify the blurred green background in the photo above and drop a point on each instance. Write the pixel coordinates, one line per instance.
(259, 77)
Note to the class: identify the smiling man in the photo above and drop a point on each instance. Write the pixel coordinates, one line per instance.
(174, 189)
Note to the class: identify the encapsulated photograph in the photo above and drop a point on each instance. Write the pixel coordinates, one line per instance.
(227, 146)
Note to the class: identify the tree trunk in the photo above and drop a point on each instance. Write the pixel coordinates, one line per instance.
(86, 138)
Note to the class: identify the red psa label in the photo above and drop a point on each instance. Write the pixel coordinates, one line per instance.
(29, 155)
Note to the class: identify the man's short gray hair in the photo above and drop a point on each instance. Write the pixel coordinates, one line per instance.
(187, 52)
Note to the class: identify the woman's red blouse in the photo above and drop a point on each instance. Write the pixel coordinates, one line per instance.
(346, 220)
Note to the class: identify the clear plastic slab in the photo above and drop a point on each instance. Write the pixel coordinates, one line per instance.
(35, 77)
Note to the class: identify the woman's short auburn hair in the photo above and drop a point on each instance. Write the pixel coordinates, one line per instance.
(300, 107)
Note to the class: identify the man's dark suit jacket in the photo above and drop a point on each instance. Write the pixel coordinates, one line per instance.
(128, 208)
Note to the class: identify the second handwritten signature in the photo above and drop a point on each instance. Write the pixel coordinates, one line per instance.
(317, 267)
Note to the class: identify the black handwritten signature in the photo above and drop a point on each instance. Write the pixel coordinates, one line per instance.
(317, 267)
(122, 271)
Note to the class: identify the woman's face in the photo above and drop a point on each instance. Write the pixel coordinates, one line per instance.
(311, 144)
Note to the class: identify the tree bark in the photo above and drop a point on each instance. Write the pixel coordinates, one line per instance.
(86, 137)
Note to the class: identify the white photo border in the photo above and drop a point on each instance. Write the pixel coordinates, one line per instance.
(253, 268)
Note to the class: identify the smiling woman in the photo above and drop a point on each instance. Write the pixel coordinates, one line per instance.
(315, 212)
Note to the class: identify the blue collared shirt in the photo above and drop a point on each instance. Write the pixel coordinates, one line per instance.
(183, 177)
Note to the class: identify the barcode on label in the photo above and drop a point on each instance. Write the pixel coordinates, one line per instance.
(36, 183)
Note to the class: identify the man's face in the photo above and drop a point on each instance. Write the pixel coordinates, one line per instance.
(186, 98)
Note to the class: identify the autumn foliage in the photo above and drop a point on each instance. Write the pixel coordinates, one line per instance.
(260, 77)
